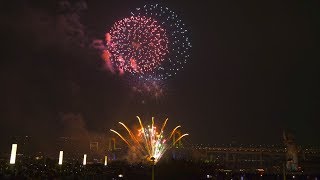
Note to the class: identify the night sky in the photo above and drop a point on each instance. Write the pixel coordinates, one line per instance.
(253, 72)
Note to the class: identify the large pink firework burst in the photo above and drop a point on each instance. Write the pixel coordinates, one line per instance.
(149, 47)
(136, 45)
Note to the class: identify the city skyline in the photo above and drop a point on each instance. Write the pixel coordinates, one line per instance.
(253, 73)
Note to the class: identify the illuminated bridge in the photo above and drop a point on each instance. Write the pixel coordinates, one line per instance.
(271, 158)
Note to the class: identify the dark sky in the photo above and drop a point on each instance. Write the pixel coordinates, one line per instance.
(253, 72)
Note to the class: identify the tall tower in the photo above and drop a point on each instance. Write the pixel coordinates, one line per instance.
(291, 152)
(112, 144)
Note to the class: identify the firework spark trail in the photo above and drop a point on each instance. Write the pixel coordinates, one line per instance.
(180, 138)
(130, 133)
(164, 124)
(149, 142)
(174, 130)
(143, 132)
(121, 137)
(140, 148)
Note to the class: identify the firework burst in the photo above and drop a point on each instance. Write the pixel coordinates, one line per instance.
(178, 36)
(147, 47)
(138, 45)
(149, 142)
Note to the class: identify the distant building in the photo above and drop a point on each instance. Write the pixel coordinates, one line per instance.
(291, 152)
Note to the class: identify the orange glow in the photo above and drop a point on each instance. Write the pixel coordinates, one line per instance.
(133, 64)
(108, 37)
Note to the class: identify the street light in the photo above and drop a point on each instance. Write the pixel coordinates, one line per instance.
(60, 157)
(13, 154)
(105, 160)
(84, 159)
(153, 163)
